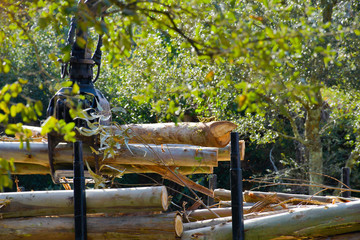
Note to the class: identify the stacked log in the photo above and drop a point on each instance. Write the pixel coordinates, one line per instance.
(130, 213)
(276, 215)
(137, 158)
(49, 214)
(255, 196)
(60, 202)
(211, 134)
(154, 227)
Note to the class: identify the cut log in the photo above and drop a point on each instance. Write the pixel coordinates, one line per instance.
(154, 227)
(254, 196)
(46, 203)
(28, 169)
(203, 214)
(211, 134)
(321, 221)
(222, 194)
(205, 223)
(135, 154)
(224, 153)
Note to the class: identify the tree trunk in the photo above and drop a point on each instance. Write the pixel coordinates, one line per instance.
(133, 154)
(312, 222)
(46, 203)
(314, 146)
(154, 227)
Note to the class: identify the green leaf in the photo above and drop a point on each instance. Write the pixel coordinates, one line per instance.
(75, 89)
(13, 111)
(38, 108)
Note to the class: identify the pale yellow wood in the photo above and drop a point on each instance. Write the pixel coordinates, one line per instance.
(332, 219)
(131, 154)
(153, 227)
(60, 202)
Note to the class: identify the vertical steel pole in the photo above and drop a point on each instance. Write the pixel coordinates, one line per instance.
(345, 178)
(79, 193)
(212, 186)
(236, 189)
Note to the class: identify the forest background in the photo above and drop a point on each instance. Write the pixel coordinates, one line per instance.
(287, 72)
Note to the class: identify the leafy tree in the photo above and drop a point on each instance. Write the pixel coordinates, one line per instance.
(265, 64)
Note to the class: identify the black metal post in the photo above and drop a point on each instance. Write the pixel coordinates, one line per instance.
(345, 179)
(79, 193)
(236, 189)
(212, 186)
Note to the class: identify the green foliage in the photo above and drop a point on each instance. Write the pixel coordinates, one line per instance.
(265, 65)
(6, 166)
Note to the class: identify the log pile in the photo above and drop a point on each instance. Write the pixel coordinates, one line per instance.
(210, 145)
(278, 216)
(130, 213)
(127, 213)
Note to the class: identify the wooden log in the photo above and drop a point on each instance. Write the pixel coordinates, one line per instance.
(332, 219)
(152, 227)
(205, 223)
(211, 134)
(228, 204)
(204, 214)
(60, 202)
(222, 194)
(28, 169)
(255, 196)
(224, 153)
(135, 154)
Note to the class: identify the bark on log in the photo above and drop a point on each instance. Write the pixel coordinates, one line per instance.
(321, 221)
(206, 223)
(135, 154)
(46, 203)
(212, 134)
(203, 214)
(28, 169)
(224, 153)
(255, 196)
(154, 227)
(222, 194)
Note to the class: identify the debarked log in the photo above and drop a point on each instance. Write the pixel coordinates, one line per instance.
(203, 214)
(255, 196)
(60, 202)
(206, 223)
(131, 154)
(116, 169)
(211, 134)
(154, 227)
(332, 219)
